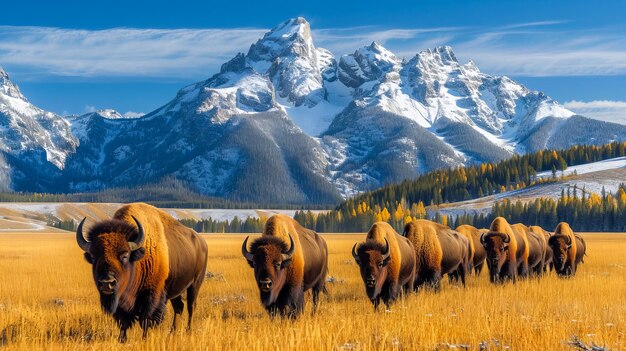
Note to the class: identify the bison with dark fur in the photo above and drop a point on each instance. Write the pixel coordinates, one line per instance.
(387, 264)
(141, 259)
(507, 250)
(568, 250)
(287, 260)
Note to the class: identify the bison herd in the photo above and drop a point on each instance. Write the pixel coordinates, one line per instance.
(142, 258)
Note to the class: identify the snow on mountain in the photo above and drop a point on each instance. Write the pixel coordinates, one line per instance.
(27, 128)
(287, 122)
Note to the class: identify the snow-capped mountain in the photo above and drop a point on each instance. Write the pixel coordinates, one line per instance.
(31, 140)
(288, 122)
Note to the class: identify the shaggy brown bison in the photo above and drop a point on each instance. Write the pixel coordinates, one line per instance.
(548, 256)
(387, 263)
(141, 258)
(507, 250)
(439, 250)
(568, 249)
(478, 254)
(287, 260)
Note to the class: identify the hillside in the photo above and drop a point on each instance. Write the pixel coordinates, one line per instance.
(290, 123)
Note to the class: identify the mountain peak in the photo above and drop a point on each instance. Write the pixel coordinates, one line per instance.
(443, 55)
(288, 56)
(366, 64)
(3, 74)
(8, 88)
(294, 26)
(292, 37)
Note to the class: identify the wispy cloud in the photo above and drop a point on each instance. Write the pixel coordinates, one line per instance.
(605, 110)
(547, 48)
(122, 51)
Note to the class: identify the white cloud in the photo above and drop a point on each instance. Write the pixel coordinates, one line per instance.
(90, 108)
(605, 110)
(546, 48)
(122, 51)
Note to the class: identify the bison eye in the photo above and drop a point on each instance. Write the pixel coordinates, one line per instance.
(124, 258)
(277, 265)
(381, 264)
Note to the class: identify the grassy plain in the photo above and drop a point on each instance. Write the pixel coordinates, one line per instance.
(48, 301)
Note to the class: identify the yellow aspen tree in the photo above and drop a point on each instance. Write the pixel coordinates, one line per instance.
(407, 220)
(385, 215)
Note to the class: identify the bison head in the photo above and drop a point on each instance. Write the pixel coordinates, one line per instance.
(373, 260)
(497, 246)
(560, 246)
(270, 257)
(112, 249)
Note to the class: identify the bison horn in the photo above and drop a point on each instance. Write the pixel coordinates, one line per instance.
(141, 237)
(482, 238)
(244, 250)
(354, 253)
(568, 240)
(507, 239)
(386, 252)
(80, 239)
(292, 248)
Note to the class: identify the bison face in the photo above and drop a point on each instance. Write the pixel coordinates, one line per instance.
(497, 246)
(270, 259)
(560, 246)
(373, 260)
(113, 259)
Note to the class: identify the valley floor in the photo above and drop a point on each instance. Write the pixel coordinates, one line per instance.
(48, 301)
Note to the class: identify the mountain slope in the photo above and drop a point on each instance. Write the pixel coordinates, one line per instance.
(34, 143)
(288, 122)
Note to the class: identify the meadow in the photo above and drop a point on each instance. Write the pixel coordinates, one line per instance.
(48, 301)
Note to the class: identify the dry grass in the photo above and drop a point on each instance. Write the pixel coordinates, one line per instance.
(48, 301)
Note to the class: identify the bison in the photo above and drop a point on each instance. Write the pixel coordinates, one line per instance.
(568, 250)
(537, 247)
(141, 258)
(439, 250)
(507, 250)
(478, 254)
(387, 264)
(548, 256)
(287, 260)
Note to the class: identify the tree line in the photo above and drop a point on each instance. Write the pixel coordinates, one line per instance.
(583, 210)
(470, 182)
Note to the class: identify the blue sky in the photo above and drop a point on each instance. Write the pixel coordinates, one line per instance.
(76, 56)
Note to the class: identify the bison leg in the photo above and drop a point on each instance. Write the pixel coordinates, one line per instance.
(479, 268)
(298, 304)
(123, 337)
(461, 273)
(436, 281)
(192, 294)
(124, 321)
(316, 292)
(376, 302)
(178, 305)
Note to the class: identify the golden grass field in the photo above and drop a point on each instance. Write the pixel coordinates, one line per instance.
(48, 301)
